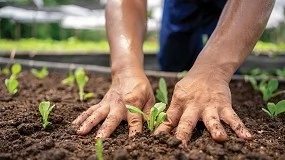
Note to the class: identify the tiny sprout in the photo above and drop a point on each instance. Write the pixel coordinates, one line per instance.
(266, 88)
(273, 110)
(69, 80)
(161, 92)
(81, 80)
(157, 116)
(40, 74)
(45, 110)
(5, 71)
(15, 69)
(12, 85)
(99, 149)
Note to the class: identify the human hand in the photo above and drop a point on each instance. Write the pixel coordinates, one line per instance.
(205, 95)
(126, 88)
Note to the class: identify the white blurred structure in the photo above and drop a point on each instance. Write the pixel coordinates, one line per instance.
(72, 16)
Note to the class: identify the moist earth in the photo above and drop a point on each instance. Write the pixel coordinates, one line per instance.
(22, 136)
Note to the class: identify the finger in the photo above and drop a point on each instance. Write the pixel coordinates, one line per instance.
(186, 124)
(229, 116)
(112, 121)
(135, 123)
(82, 117)
(214, 126)
(96, 117)
(173, 116)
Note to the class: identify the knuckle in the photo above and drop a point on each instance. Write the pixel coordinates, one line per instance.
(134, 121)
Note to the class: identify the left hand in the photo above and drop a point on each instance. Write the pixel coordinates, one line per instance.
(203, 94)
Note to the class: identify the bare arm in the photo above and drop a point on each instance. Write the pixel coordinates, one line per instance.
(204, 92)
(126, 25)
(240, 26)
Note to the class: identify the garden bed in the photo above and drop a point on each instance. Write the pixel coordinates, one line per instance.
(22, 136)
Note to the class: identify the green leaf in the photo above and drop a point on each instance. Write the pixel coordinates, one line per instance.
(45, 109)
(280, 107)
(160, 107)
(12, 85)
(273, 85)
(161, 117)
(6, 71)
(40, 73)
(153, 114)
(134, 109)
(81, 80)
(252, 81)
(99, 149)
(266, 111)
(161, 92)
(88, 95)
(16, 69)
(271, 108)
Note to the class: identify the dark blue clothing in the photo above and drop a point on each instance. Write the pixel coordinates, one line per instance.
(183, 24)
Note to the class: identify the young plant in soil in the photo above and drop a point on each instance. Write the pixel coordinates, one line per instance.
(161, 92)
(156, 117)
(12, 83)
(273, 110)
(5, 71)
(69, 80)
(280, 72)
(99, 149)
(81, 80)
(40, 74)
(267, 88)
(45, 110)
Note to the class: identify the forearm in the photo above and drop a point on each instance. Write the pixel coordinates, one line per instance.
(126, 25)
(239, 28)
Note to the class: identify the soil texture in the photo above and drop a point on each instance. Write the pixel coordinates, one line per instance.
(22, 136)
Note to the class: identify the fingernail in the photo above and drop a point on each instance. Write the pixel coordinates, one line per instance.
(248, 135)
(99, 135)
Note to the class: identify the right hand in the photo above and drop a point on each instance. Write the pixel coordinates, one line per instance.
(127, 88)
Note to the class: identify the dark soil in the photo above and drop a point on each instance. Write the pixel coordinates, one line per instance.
(22, 136)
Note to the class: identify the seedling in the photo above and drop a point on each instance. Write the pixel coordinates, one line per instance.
(15, 70)
(259, 72)
(161, 92)
(266, 88)
(69, 80)
(45, 110)
(273, 110)
(280, 72)
(99, 149)
(12, 85)
(157, 116)
(5, 71)
(40, 74)
(81, 80)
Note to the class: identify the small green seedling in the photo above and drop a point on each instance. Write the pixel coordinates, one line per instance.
(99, 149)
(259, 72)
(81, 80)
(161, 92)
(69, 80)
(5, 71)
(15, 70)
(267, 88)
(45, 110)
(40, 74)
(157, 116)
(12, 85)
(273, 110)
(280, 72)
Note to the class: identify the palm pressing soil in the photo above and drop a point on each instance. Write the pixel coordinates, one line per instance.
(22, 136)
